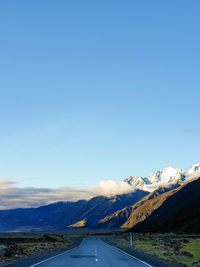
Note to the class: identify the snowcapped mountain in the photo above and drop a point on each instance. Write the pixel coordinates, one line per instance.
(166, 177)
(194, 169)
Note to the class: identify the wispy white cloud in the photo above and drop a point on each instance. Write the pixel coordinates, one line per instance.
(12, 196)
(110, 187)
(191, 131)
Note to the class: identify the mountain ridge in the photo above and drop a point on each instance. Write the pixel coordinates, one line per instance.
(122, 210)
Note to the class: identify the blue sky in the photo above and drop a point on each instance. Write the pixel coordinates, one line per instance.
(96, 90)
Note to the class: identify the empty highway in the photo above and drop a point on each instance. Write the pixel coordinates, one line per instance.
(91, 252)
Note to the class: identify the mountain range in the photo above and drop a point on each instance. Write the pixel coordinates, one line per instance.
(59, 215)
(166, 200)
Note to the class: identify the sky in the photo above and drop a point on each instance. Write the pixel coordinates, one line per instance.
(97, 90)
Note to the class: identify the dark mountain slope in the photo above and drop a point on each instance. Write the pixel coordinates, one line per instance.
(130, 215)
(180, 212)
(106, 206)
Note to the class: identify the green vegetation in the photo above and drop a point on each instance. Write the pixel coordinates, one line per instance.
(22, 245)
(184, 249)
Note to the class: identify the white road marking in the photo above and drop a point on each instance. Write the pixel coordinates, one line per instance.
(131, 255)
(95, 251)
(38, 263)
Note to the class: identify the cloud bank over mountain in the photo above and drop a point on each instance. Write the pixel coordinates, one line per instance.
(12, 196)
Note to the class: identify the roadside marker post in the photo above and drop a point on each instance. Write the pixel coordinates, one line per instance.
(131, 239)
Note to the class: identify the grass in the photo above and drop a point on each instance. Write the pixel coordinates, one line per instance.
(192, 247)
(26, 245)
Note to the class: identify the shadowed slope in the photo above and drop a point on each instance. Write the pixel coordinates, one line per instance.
(162, 210)
(180, 212)
(131, 215)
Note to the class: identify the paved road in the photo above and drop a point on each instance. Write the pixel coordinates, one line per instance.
(92, 252)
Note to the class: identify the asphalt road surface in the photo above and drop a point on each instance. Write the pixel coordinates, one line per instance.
(92, 252)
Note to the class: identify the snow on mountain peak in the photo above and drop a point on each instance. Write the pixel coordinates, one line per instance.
(195, 167)
(166, 177)
(137, 182)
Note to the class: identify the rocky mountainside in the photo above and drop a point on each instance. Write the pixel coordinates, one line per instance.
(131, 215)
